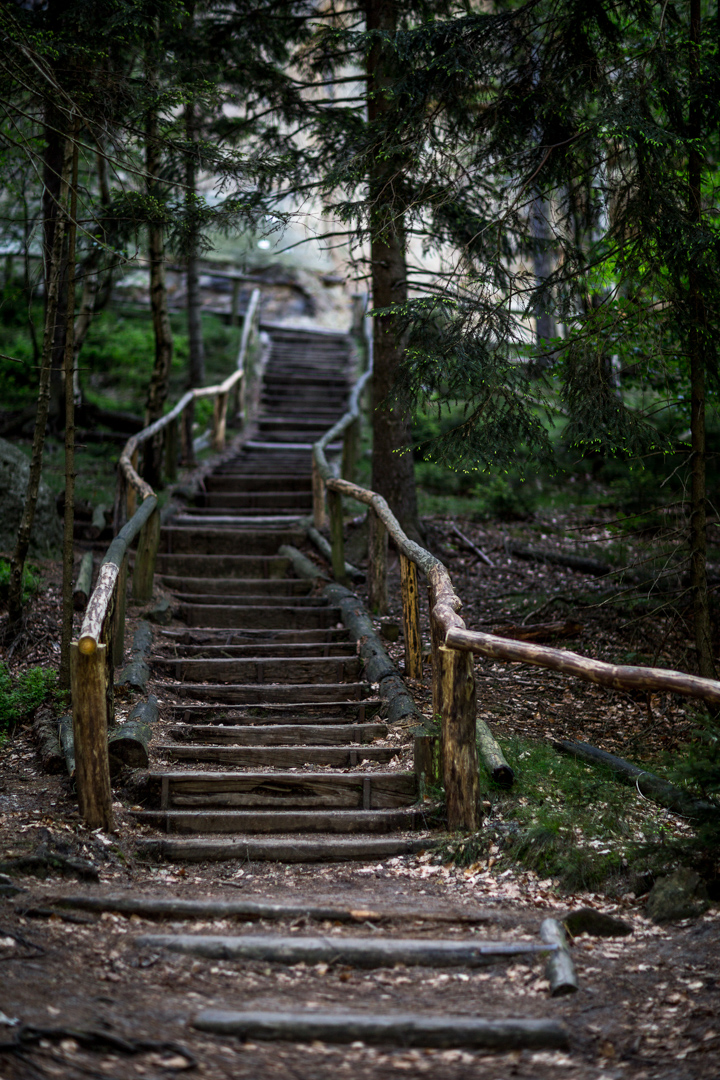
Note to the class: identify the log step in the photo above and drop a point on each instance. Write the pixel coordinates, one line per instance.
(296, 500)
(241, 599)
(223, 510)
(230, 565)
(233, 586)
(247, 617)
(316, 712)
(199, 540)
(273, 649)
(261, 636)
(286, 790)
(265, 693)
(395, 1029)
(279, 734)
(333, 822)
(263, 483)
(312, 669)
(214, 519)
(294, 850)
(277, 757)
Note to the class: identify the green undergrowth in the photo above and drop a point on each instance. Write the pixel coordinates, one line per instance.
(564, 820)
(31, 585)
(22, 694)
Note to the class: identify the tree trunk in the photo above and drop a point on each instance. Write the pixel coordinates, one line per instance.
(698, 329)
(196, 367)
(53, 213)
(158, 388)
(68, 606)
(393, 473)
(54, 285)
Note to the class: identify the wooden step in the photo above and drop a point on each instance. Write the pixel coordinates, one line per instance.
(252, 600)
(230, 565)
(290, 790)
(293, 850)
(271, 649)
(218, 615)
(223, 511)
(315, 712)
(200, 540)
(190, 822)
(265, 693)
(232, 586)
(237, 482)
(216, 519)
(312, 669)
(261, 636)
(276, 757)
(279, 734)
(247, 500)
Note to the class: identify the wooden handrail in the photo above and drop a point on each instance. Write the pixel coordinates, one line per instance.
(453, 697)
(100, 644)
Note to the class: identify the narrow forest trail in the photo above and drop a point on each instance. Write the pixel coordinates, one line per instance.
(275, 749)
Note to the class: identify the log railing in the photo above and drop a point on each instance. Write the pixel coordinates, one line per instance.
(101, 642)
(452, 644)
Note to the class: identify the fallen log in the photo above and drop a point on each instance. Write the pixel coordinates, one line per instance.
(67, 742)
(83, 585)
(560, 628)
(573, 562)
(468, 544)
(398, 1030)
(492, 756)
(356, 952)
(136, 673)
(324, 547)
(303, 567)
(647, 783)
(50, 863)
(559, 969)
(46, 735)
(128, 743)
(169, 908)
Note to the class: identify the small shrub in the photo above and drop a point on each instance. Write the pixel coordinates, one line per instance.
(21, 696)
(31, 580)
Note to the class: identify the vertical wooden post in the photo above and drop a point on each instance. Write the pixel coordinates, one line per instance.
(234, 320)
(186, 434)
(411, 618)
(318, 484)
(436, 640)
(377, 564)
(459, 749)
(219, 421)
(92, 769)
(131, 492)
(118, 629)
(171, 451)
(336, 535)
(349, 454)
(147, 549)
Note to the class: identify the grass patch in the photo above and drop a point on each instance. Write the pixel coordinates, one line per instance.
(564, 820)
(31, 583)
(21, 695)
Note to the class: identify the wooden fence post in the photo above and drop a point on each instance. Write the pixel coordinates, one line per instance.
(318, 485)
(118, 616)
(377, 564)
(92, 769)
(436, 640)
(145, 557)
(411, 618)
(219, 422)
(336, 535)
(131, 492)
(186, 434)
(171, 451)
(459, 749)
(349, 454)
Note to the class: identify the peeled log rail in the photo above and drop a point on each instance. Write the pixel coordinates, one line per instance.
(399, 1030)
(559, 970)
(617, 676)
(165, 908)
(647, 783)
(356, 952)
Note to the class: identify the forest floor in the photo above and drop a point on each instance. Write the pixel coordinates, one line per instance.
(648, 1004)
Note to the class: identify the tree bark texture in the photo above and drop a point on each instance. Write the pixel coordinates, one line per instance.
(92, 769)
(54, 215)
(393, 473)
(411, 617)
(68, 606)
(459, 749)
(196, 358)
(54, 284)
(159, 380)
(698, 330)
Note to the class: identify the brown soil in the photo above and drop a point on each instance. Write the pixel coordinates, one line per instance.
(647, 1005)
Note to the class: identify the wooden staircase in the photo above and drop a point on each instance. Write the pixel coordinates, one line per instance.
(275, 750)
